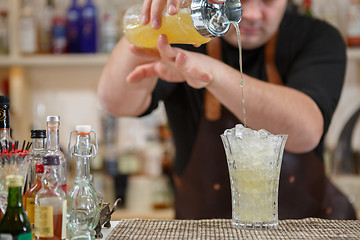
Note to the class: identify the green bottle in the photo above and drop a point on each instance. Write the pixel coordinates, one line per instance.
(15, 224)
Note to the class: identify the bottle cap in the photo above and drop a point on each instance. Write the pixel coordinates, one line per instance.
(38, 133)
(39, 168)
(83, 128)
(53, 119)
(214, 20)
(14, 181)
(51, 160)
(4, 100)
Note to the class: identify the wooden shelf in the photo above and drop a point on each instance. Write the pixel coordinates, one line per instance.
(55, 60)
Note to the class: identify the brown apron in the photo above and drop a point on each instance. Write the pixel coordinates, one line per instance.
(203, 189)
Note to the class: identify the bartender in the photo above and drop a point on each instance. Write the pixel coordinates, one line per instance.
(294, 70)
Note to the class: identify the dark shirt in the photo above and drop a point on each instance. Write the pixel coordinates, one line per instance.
(310, 57)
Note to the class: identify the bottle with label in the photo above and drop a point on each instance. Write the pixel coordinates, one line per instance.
(83, 205)
(5, 140)
(196, 23)
(29, 39)
(109, 26)
(45, 26)
(15, 223)
(53, 148)
(38, 150)
(353, 28)
(50, 203)
(58, 33)
(29, 196)
(5, 137)
(73, 27)
(89, 35)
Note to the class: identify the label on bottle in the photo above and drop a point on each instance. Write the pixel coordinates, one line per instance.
(23, 236)
(44, 221)
(30, 205)
(4, 116)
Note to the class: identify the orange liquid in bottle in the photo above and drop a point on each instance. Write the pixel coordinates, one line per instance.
(178, 28)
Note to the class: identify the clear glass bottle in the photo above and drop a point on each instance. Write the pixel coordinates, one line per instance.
(45, 26)
(28, 25)
(38, 138)
(50, 203)
(83, 207)
(53, 148)
(15, 223)
(109, 26)
(29, 196)
(196, 23)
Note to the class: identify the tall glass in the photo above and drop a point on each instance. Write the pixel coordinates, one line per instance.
(254, 161)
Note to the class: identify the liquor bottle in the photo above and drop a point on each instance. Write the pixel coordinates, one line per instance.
(196, 23)
(29, 196)
(89, 24)
(58, 33)
(50, 203)
(45, 26)
(353, 28)
(15, 223)
(28, 29)
(38, 150)
(83, 206)
(73, 27)
(52, 148)
(109, 26)
(5, 136)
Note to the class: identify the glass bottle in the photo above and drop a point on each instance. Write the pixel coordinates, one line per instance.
(29, 196)
(59, 43)
(109, 26)
(196, 23)
(45, 26)
(50, 203)
(5, 137)
(38, 150)
(52, 148)
(28, 29)
(89, 27)
(15, 223)
(83, 206)
(73, 27)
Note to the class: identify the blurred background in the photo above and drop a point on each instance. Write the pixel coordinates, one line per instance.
(47, 73)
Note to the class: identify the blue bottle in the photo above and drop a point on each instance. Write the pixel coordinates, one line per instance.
(73, 28)
(89, 28)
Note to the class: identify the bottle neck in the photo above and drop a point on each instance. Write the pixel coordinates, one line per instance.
(15, 197)
(82, 149)
(5, 123)
(52, 137)
(38, 144)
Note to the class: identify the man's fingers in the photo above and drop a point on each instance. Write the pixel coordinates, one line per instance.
(173, 7)
(157, 7)
(144, 52)
(141, 72)
(145, 12)
(165, 50)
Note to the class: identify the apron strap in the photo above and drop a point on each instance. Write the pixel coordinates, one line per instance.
(212, 105)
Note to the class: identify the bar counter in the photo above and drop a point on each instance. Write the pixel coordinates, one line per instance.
(309, 228)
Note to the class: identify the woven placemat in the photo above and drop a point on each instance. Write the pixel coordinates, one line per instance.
(309, 228)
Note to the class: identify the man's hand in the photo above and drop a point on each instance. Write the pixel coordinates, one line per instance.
(172, 65)
(152, 10)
